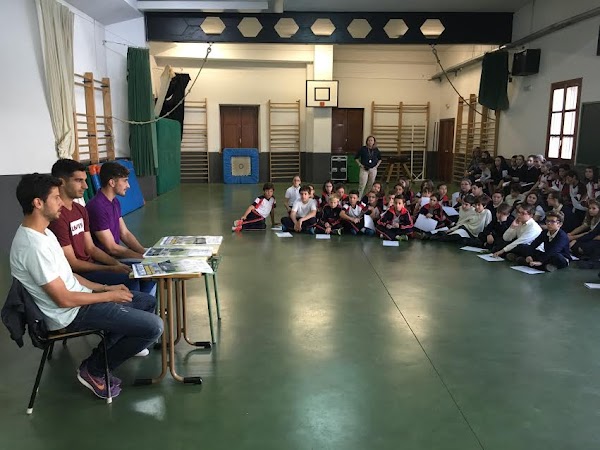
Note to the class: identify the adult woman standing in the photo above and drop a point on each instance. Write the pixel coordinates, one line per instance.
(368, 159)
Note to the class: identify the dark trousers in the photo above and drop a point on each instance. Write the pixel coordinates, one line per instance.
(254, 222)
(288, 223)
(390, 234)
(354, 228)
(557, 259)
(111, 278)
(320, 227)
(130, 328)
(590, 249)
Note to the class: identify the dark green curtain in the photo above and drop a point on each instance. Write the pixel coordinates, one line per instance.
(142, 138)
(169, 155)
(494, 81)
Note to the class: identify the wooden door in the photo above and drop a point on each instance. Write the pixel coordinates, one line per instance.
(444, 149)
(346, 130)
(239, 126)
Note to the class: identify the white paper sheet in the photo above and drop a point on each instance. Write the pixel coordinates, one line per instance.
(425, 224)
(473, 249)
(592, 285)
(391, 243)
(369, 223)
(178, 252)
(423, 201)
(527, 270)
(438, 230)
(450, 211)
(276, 228)
(490, 258)
(323, 236)
(189, 240)
(284, 234)
(153, 268)
(461, 233)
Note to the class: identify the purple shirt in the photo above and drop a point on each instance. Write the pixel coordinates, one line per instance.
(104, 215)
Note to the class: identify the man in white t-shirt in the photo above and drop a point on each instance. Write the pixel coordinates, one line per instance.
(69, 301)
(303, 216)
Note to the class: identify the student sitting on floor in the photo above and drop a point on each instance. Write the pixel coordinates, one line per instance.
(577, 194)
(353, 216)
(592, 185)
(515, 195)
(330, 221)
(434, 210)
(340, 191)
(374, 205)
(409, 195)
(590, 222)
(303, 215)
(465, 189)
(390, 201)
(497, 200)
(422, 200)
(532, 199)
(396, 223)
(327, 191)
(255, 216)
(523, 230)
(491, 236)
(477, 189)
(292, 194)
(442, 190)
(555, 204)
(378, 192)
(585, 240)
(472, 219)
(556, 253)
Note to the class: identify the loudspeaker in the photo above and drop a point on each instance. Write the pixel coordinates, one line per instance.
(526, 62)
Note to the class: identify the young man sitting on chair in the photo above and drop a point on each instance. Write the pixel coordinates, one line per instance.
(68, 301)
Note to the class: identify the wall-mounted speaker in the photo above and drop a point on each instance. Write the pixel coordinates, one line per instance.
(526, 62)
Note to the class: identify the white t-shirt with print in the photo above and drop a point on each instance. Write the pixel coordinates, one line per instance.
(37, 259)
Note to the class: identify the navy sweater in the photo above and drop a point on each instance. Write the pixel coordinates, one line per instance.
(559, 245)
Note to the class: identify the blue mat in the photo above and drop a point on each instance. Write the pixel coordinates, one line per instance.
(229, 155)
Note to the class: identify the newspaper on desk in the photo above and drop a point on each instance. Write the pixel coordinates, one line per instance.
(153, 268)
(189, 240)
(178, 252)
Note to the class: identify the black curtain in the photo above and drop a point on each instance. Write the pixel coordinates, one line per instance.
(174, 95)
(494, 81)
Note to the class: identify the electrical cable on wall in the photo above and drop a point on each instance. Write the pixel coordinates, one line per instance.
(435, 53)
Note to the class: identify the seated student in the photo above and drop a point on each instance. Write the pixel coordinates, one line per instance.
(377, 189)
(531, 172)
(515, 195)
(477, 189)
(256, 214)
(585, 239)
(409, 195)
(72, 229)
(327, 191)
(491, 236)
(292, 194)
(519, 172)
(592, 185)
(390, 201)
(543, 182)
(69, 301)
(426, 183)
(303, 215)
(533, 200)
(313, 197)
(523, 230)
(330, 222)
(555, 204)
(442, 190)
(485, 174)
(395, 223)
(374, 205)
(590, 222)
(340, 191)
(497, 200)
(422, 200)
(465, 189)
(109, 231)
(353, 216)
(556, 253)
(472, 219)
(434, 210)
(577, 194)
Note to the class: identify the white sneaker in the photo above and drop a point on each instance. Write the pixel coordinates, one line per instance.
(144, 352)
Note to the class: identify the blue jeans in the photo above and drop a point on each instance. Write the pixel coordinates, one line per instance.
(111, 278)
(129, 329)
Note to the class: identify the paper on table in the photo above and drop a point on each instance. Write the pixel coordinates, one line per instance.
(369, 223)
(425, 224)
(153, 268)
(283, 234)
(178, 252)
(490, 258)
(189, 240)
(461, 233)
(450, 211)
(473, 249)
(592, 285)
(278, 228)
(323, 236)
(527, 269)
(438, 230)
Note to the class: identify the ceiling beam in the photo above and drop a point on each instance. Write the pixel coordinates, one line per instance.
(191, 5)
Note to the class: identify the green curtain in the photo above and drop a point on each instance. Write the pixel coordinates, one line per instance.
(494, 81)
(169, 155)
(142, 138)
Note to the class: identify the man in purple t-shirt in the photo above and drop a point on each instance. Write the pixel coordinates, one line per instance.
(108, 228)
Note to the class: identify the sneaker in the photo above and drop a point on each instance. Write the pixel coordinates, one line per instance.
(402, 238)
(283, 228)
(112, 379)
(96, 384)
(237, 222)
(143, 353)
(337, 231)
(551, 268)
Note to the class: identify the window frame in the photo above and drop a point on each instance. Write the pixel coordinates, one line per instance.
(553, 87)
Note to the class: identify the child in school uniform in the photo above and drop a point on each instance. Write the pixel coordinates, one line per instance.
(592, 185)
(292, 194)
(330, 221)
(470, 219)
(497, 200)
(254, 217)
(491, 236)
(327, 192)
(302, 218)
(395, 223)
(390, 201)
(422, 200)
(409, 195)
(465, 189)
(374, 206)
(555, 204)
(523, 230)
(556, 253)
(378, 192)
(442, 190)
(353, 215)
(434, 210)
(515, 195)
(585, 240)
(340, 190)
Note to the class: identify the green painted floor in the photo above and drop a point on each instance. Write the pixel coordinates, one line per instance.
(340, 344)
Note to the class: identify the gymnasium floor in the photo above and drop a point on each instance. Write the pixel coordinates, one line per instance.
(340, 344)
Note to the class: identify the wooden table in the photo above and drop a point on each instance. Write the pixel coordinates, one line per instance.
(172, 309)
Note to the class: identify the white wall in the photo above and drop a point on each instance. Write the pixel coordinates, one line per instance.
(24, 118)
(566, 54)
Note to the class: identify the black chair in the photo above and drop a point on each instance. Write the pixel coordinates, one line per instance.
(21, 308)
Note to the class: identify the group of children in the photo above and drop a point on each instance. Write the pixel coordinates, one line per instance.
(556, 210)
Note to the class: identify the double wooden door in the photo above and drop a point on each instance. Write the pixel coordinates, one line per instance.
(239, 126)
(346, 130)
